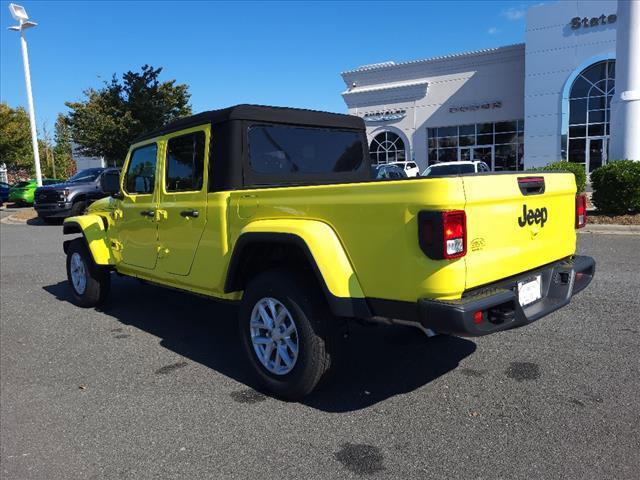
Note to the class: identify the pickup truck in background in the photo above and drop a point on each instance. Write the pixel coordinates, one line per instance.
(456, 168)
(72, 197)
(276, 209)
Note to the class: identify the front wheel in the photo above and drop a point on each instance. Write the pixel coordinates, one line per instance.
(89, 282)
(287, 333)
(78, 208)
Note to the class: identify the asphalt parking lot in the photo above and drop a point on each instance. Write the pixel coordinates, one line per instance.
(154, 386)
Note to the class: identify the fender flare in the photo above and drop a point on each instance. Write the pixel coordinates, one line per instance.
(325, 255)
(94, 231)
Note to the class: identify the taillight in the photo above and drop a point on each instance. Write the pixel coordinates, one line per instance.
(455, 229)
(581, 210)
(443, 235)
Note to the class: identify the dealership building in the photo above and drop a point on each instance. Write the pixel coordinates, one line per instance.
(570, 92)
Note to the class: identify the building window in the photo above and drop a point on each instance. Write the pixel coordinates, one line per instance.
(387, 147)
(500, 144)
(589, 114)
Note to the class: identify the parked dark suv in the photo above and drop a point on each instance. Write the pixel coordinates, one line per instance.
(73, 196)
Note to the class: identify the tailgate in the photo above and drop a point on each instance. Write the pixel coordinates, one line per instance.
(513, 226)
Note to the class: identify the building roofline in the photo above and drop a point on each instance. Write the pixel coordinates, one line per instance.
(390, 65)
(383, 88)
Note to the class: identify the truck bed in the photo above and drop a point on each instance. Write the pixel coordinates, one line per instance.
(377, 224)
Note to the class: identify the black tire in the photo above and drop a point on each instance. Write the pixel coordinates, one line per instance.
(98, 279)
(317, 333)
(78, 208)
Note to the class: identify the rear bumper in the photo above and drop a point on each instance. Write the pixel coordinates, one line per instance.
(59, 209)
(499, 301)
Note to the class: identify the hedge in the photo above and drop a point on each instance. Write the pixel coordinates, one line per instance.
(575, 168)
(616, 187)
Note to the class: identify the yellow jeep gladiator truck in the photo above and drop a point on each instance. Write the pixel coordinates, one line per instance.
(276, 209)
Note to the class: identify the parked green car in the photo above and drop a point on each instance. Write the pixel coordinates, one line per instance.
(22, 192)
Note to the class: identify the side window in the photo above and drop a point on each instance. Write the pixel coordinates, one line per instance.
(185, 162)
(141, 173)
(279, 149)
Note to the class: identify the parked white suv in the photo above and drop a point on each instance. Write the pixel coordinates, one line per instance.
(410, 168)
(455, 168)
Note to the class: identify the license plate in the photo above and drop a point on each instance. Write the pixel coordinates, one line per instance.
(529, 291)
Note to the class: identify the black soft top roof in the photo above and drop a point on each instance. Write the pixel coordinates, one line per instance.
(262, 113)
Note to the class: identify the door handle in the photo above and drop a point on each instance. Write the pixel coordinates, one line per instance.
(148, 213)
(190, 213)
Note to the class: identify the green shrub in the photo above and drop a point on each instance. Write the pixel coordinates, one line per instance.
(616, 187)
(575, 168)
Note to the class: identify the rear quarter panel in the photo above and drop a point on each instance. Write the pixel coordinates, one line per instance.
(376, 224)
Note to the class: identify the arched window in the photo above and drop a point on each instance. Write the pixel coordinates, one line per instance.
(589, 113)
(387, 147)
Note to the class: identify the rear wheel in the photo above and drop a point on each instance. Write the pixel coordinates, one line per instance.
(90, 283)
(287, 332)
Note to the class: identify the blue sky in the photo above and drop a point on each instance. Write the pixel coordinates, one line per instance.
(276, 53)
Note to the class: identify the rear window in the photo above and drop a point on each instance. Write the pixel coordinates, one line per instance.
(22, 184)
(279, 149)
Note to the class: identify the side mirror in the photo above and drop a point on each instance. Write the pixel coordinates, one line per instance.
(110, 184)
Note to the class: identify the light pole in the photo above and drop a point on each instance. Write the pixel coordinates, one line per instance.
(625, 106)
(20, 14)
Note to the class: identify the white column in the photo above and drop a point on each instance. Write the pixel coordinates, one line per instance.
(625, 108)
(32, 113)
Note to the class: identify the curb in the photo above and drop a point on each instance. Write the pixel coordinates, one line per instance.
(613, 229)
(11, 220)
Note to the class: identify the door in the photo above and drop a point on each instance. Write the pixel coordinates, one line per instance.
(465, 154)
(183, 200)
(596, 152)
(484, 154)
(137, 225)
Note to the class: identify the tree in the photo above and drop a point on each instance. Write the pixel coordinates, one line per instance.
(47, 158)
(106, 122)
(15, 137)
(56, 160)
(65, 166)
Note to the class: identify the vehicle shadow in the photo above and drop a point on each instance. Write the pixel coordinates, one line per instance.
(379, 362)
(53, 222)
